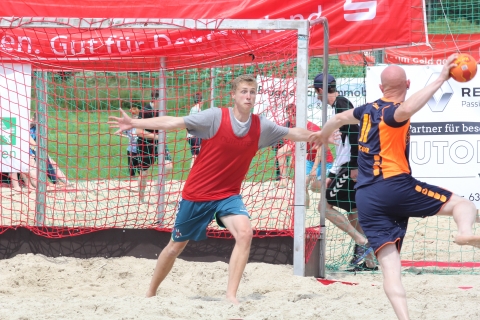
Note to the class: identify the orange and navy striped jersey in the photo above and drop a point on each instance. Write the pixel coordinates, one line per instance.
(383, 143)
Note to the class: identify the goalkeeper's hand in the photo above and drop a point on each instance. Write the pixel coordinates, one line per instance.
(123, 123)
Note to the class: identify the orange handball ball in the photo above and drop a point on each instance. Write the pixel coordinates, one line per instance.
(466, 68)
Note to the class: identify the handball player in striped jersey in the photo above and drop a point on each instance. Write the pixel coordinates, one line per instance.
(387, 194)
(230, 139)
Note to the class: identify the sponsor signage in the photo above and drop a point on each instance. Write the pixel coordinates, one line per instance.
(274, 94)
(354, 25)
(15, 88)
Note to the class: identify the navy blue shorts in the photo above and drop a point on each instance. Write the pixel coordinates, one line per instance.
(384, 207)
(193, 218)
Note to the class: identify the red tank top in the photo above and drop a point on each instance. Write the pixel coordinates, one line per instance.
(223, 162)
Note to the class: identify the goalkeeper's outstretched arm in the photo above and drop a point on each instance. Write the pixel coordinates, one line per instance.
(158, 123)
(298, 134)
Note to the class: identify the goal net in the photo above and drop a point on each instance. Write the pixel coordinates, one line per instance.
(60, 79)
(66, 173)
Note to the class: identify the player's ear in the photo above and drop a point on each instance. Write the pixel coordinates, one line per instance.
(408, 84)
(381, 87)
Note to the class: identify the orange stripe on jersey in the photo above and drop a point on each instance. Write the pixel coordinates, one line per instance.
(393, 145)
(365, 127)
(376, 165)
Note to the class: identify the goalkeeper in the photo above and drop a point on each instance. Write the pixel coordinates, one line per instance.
(230, 139)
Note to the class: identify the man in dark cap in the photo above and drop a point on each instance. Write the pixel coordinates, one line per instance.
(341, 180)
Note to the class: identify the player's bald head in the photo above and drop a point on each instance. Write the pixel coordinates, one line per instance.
(394, 83)
(393, 77)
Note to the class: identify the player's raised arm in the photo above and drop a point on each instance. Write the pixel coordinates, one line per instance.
(157, 123)
(415, 102)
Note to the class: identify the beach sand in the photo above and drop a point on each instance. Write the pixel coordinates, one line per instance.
(38, 287)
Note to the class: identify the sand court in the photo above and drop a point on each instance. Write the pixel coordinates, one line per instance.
(111, 204)
(38, 287)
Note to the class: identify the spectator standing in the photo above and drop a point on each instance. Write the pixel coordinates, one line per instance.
(342, 178)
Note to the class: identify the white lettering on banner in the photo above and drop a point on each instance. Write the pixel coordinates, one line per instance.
(417, 60)
(91, 42)
(371, 6)
(109, 43)
(458, 152)
(273, 94)
(7, 43)
(127, 42)
(430, 61)
(161, 36)
(316, 15)
(20, 44)
(296, 16)
(82, 48)
(7, 40)
(405, 60)
(123, 45)
(63, 45)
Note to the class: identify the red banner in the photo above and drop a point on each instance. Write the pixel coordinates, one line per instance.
(356, 59)
(441, 46)
(354, 25)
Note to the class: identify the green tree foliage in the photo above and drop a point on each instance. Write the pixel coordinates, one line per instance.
(453, 16)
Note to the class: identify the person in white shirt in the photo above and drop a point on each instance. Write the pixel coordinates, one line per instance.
(131, 134)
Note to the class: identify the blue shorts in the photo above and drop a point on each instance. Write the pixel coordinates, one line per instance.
(384, 207)
(193, 218)
(319, 168)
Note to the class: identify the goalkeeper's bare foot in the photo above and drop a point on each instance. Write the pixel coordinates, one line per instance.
(150, 294)
(233, 299)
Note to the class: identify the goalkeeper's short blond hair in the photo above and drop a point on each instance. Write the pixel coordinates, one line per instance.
(249, 78)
